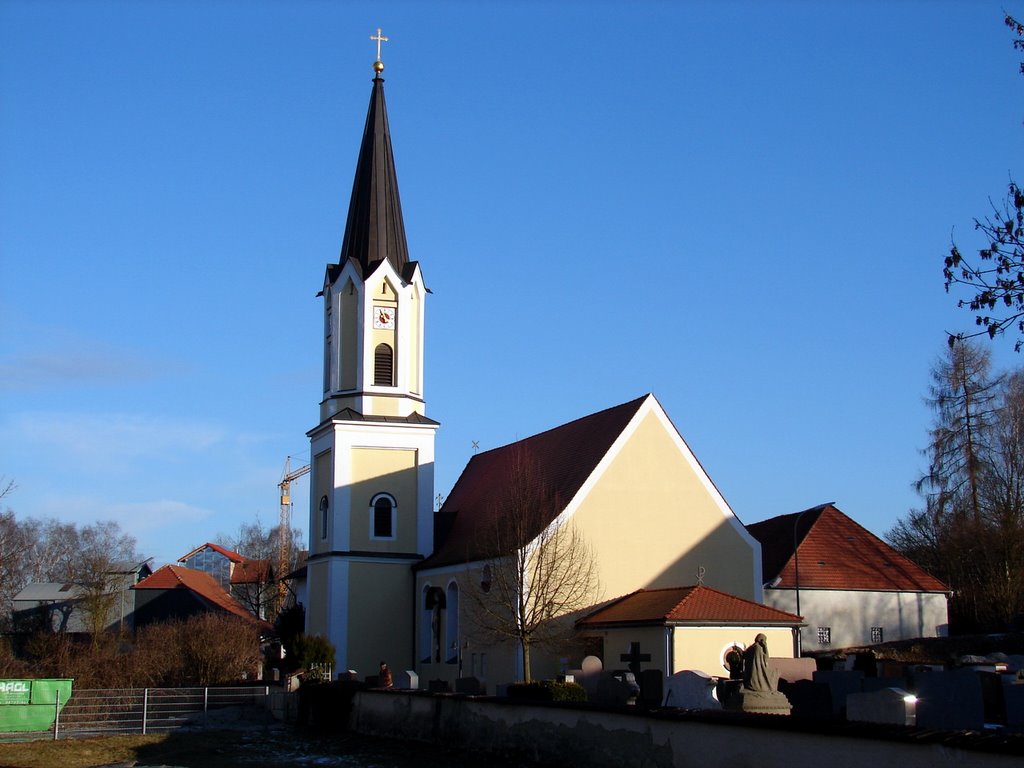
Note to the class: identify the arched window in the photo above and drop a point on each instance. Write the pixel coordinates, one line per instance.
(323, 516)
(433, 605)
(382, 516)
(383, 366)
(451, 624)
(426, 632)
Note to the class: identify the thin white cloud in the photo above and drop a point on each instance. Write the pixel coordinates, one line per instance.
(139, 518)
(109, 440)
(40, 358)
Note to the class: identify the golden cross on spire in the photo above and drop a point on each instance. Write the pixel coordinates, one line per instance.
(378, 65)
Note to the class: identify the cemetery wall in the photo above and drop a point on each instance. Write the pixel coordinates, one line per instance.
(601, 739)
(850, 614)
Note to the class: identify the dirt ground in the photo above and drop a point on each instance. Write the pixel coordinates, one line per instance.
(275, 747)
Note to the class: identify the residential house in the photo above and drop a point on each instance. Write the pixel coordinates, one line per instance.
(175, 592)
(249, 580)
(850, 586)
(65, 607)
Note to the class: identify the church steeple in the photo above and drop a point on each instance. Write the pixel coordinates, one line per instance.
(372, 480)
(374, 295)
(374, 230)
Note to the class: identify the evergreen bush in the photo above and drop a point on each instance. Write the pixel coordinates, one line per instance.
(547, 690)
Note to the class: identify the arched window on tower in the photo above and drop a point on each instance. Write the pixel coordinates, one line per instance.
(382, 516)
(383, 366)
(323, 517)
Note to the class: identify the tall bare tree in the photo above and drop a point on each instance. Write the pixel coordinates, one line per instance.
(51, 551)
(262, 545)
(970, 532)
(541, 570)
(965, 399)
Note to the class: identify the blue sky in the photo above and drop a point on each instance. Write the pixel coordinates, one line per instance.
(741, 207)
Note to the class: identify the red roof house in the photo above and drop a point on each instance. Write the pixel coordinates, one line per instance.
(175, 592)
(852, 587)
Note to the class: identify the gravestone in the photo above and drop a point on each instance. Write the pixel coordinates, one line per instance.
(872, 684)
(439, 686)
(727, 688)
(652, 682)
(589, 675)
(992, 697)
(407, 680)
(949, 700)
(470, 686)
(792, 670)
(810, 700)
(634, 658)
(893, 706)
(841, 683)
(1013, 698)
(614, 689)
(690, 689)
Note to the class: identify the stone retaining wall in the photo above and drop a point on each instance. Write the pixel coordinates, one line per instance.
(595, 738)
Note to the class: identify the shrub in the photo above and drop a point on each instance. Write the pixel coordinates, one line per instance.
(313, 649)
(548, 690)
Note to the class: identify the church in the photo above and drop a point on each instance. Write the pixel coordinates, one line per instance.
(677, 576)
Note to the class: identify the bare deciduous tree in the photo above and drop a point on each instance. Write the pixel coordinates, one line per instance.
(262, 545)
(541, 570)
(996, 278)
(970, 532)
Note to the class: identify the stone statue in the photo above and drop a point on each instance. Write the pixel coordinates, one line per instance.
(758, 673)
(760, 683)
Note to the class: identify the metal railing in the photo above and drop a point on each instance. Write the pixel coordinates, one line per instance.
(149, 710)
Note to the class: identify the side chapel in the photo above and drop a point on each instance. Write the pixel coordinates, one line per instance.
(388, 577)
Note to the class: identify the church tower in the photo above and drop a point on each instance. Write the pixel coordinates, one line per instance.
(372, 484)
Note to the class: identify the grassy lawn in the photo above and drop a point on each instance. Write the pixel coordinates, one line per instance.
(256, 748)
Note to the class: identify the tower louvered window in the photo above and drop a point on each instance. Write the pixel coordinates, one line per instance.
(383, 366)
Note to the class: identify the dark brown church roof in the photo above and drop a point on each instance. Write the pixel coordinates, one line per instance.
(835, 553)
(375, 230)
(560, 459)
(700, 605)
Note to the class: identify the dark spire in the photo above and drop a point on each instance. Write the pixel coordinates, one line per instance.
(375, 230)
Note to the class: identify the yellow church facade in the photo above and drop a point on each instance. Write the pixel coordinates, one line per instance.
(651, 518)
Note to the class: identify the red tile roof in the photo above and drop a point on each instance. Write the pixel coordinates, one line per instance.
(563, 458)
(835, 553)
(699, 605)
(230, 555)
(199, 583)
(251, 571)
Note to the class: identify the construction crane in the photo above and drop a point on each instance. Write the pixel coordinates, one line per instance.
(285, 531)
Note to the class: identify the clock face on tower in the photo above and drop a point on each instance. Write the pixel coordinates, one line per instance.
(384, 317)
